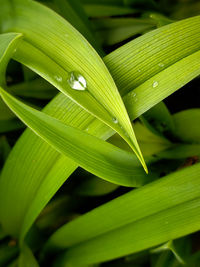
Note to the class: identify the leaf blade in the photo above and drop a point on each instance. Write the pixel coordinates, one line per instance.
(145, 224)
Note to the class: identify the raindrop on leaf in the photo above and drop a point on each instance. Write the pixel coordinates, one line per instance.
(77, 81)
(155, 84)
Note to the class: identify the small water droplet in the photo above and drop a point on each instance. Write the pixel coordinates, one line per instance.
(77, 81)
(161, 65)
(15, 50)
(139, 70)
(115, 120)
(155, 84)
(126, 134)
(58, 78)
(134, 95)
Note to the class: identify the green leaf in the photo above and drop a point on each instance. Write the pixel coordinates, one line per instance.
(187, 118)
(150, 143)
(160, 19)
(10, 125)
(175, 247)
(178, 151)
(4, 148)
(114, 30)
(37, 88)
(26, 258)
(158, 119)
(100, 10)
(163, 210)
(7, 41)
(93, 186)
(5, 112)
(74, 13)
(76, 69)
(172, 78)
(173, 253)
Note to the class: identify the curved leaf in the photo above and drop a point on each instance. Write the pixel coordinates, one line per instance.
(68, 57)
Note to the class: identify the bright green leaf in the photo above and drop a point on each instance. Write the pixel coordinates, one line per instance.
(163, 210)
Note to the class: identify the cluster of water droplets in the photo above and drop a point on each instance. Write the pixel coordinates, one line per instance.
(77, 81)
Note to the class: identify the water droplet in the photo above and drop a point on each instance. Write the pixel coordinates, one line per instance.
(58, 78)
(139, 70)
(126, 134)
(161, 65)
(155, 84)
(115, 120)
(77, 81)
(134, 95)
(15, 50)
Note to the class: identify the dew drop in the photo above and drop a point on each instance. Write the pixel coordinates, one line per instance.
(139, 70)
(134, 97)
(155, 84)
(115, 120)
(77, 81)
(161, 65)
(58, 78)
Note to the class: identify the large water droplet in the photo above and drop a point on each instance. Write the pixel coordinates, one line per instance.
(115, 120)
(155, 84)
(77, 81)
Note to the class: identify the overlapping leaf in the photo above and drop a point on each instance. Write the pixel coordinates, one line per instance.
(91, 153)
(68, 57)
(158, 212)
